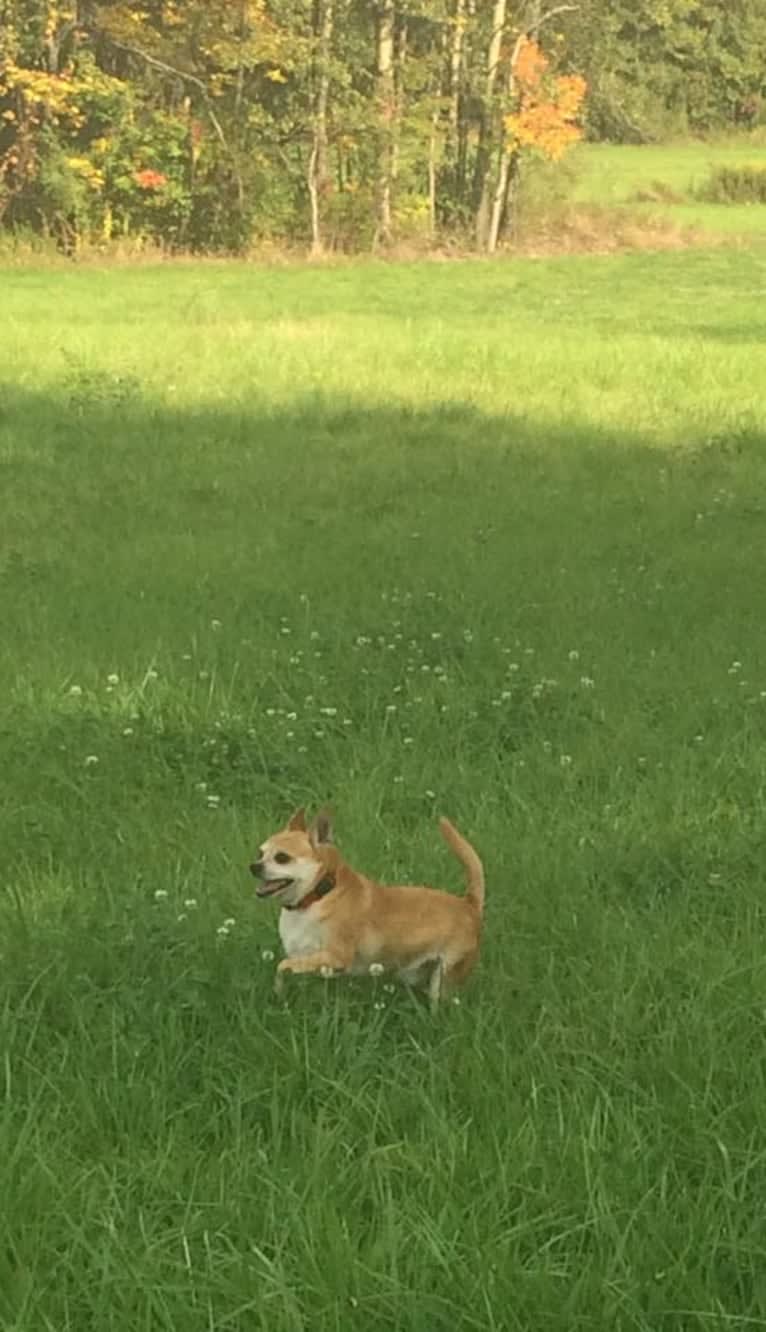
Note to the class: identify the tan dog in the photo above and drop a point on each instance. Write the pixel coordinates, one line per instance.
(336, 920)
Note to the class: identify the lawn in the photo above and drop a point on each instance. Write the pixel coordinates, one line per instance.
(616, 174)
(478, 538)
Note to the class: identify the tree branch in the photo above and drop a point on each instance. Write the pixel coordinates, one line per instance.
(162, 65)
(548, 15)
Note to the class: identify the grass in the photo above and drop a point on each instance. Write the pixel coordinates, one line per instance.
(512, 513)
(612, 174)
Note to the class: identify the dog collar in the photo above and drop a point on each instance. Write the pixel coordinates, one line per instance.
(319, 891)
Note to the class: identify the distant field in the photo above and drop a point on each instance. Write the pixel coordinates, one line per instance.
(485, 538)
(612, 174)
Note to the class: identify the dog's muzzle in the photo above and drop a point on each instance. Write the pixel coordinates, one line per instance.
(267, 887)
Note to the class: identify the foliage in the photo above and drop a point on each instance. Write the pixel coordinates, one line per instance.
(659, 67)
(548, 108)
(213, 123)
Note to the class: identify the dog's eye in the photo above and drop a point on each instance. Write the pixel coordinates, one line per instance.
(282, 858)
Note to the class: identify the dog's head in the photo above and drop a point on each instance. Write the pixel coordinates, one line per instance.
(292, 861)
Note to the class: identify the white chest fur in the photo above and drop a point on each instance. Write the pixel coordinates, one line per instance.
(300, 932)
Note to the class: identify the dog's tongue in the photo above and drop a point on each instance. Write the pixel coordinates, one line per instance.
(273, 887)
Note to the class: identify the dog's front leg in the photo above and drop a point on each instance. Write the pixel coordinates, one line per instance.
(322, 962)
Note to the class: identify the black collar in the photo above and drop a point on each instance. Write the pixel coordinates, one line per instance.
(319, 891)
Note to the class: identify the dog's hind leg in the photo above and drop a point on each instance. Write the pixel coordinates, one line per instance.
(436, 984)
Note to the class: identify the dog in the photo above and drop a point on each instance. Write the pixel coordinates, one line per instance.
(336, 921)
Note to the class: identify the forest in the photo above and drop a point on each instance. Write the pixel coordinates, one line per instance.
(341, 125)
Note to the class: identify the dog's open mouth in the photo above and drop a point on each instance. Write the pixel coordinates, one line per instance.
(272, 886)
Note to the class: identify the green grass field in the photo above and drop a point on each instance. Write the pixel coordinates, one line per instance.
(614, 174)
(480, 538)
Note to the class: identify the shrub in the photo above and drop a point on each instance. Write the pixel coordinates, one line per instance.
(735, 185)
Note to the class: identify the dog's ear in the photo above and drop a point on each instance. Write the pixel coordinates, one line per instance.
(321, 829)
(298, 821)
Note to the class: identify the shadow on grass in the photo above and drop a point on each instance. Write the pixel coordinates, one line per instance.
(128, 528)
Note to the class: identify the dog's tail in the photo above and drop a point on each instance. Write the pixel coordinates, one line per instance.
(470, 861)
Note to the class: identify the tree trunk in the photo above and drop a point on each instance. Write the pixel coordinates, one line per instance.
(432, 148)
(399, 101)
(488, 134)
(318, 177)
(456, 67)
(508, 165)
(386, 114)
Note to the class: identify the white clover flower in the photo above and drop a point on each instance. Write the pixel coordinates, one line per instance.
(215, 624)
(408, 740)
(291, 716)
(222, 931)
(325, 972)
(127, 730)
(430, 795)
(181, 916)
(213, 801)
(229, 922)
(91, 760)
(376, 968)
(456, 1000)
(566, 760)
(587, 682)
(190, 903)
(201, 787)
(379, 1005)
(267, 955)
(574, 655)
(160, 894)
(75, 691)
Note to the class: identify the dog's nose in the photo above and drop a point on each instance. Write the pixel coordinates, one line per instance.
(257, 868)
